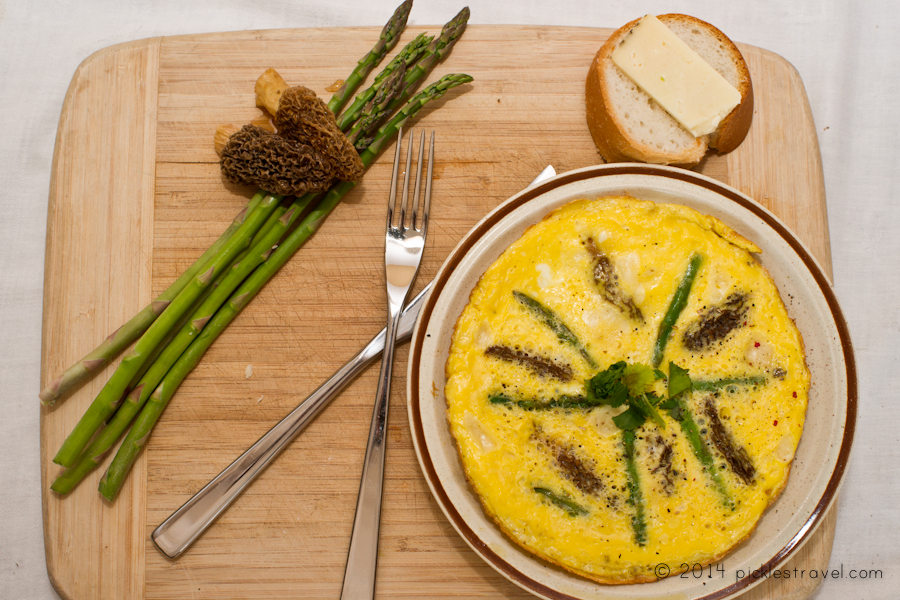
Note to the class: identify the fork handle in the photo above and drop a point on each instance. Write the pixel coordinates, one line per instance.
(362, 558)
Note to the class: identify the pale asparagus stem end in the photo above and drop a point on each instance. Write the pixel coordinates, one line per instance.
(269, 88)
(48, 394)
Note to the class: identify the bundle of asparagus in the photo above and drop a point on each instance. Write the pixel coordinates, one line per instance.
(184, 320)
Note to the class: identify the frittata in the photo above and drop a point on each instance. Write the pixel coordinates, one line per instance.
(600, 286)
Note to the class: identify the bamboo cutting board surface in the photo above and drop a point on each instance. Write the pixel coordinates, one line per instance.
(136, 196)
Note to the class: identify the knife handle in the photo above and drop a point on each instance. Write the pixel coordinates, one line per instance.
(178, 532)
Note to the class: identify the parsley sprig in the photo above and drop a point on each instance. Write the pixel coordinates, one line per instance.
(633, 385)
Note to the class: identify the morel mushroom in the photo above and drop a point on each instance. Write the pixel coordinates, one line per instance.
(274, 163)
(307, 154)
(302, 116)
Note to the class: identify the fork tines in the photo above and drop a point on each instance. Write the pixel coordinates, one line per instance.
(415, 222)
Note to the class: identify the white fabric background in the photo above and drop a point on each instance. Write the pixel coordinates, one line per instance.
(847, 53)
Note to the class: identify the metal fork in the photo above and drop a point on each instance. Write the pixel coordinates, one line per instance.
(403, 245)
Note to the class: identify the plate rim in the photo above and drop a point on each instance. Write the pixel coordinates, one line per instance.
(492, 218)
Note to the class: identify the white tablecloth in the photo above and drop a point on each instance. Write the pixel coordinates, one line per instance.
(847, 54)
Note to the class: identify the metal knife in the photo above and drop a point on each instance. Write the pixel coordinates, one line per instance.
(185, 525)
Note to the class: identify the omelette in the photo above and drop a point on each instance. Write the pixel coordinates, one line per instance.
(597, 292)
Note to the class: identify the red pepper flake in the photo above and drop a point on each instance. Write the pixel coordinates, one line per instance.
(775, 423)
(756, 345)
(795, 394)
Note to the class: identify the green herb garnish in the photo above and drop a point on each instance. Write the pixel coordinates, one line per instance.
(630, 384)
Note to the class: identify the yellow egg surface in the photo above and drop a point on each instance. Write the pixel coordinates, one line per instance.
(589, 286)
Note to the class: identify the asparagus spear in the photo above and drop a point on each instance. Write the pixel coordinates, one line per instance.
(551, 320)
(107, 401)
(376, 110)
(635, 497)
(437, 50)
(134, 441)
(729, 382)
(390, 35)
(692, 433)
(564, 401)
(122, 337)
(679, 301)
(561, 501)
(405, 58)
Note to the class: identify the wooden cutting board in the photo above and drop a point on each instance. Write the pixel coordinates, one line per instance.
(136, 196)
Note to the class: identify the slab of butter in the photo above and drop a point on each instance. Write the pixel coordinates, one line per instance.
(675, 76)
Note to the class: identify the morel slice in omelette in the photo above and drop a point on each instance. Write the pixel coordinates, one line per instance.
(600, 282)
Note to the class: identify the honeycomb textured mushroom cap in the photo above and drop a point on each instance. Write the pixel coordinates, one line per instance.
(303, 117)
(277, 164)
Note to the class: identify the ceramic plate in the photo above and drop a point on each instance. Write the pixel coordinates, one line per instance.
(824, 449)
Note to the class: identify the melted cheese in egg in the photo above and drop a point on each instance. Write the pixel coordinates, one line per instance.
(555, 479)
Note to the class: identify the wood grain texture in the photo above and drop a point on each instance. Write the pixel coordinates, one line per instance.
(97, 274)
(136, 196)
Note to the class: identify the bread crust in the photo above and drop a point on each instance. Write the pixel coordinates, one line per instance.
(608, 130)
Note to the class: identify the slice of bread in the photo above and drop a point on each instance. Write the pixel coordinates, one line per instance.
(628, 125)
